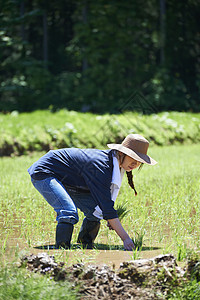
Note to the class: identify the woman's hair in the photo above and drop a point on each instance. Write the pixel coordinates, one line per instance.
(121, 157)
(130, 181)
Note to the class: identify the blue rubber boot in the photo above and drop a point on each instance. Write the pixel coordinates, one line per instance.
(88, 233)
(64, 235)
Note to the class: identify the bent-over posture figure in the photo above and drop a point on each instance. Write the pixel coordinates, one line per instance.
(88, 179)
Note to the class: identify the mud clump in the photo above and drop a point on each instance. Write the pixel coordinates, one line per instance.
(138, 279)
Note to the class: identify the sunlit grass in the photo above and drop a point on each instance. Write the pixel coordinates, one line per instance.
(17, 284)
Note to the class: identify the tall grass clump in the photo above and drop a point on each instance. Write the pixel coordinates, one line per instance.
(122, 211)
(18, 284)
(189, 291)
(189, 288)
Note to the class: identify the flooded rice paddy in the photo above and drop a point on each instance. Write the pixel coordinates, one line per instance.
(166, 208)
(14, 243)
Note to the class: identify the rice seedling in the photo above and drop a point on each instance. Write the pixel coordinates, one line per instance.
(136, 253)
(138, 239)
(122, 211)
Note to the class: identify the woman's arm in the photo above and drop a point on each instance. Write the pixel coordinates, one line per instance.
(117, 226)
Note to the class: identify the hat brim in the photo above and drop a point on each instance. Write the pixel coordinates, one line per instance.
(143, 158)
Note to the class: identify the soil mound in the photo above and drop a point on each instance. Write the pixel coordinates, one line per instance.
(138, 279)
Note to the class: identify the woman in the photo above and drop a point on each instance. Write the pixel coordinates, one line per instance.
(88, 179)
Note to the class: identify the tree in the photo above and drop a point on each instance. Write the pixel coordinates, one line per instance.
(92, 55)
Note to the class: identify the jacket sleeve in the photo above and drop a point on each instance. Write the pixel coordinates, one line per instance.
(98, 179)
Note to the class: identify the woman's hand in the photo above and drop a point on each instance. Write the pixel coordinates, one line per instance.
(128, 244)
(117, 226)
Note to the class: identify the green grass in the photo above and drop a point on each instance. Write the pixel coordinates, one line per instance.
(18, 284)
(43, 130)
(189, 291)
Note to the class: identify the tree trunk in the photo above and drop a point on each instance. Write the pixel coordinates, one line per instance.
(85, 14)
(22, 29)
(162, 30)
(45, 39)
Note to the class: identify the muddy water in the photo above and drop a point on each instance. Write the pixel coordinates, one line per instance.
(13, 243)
(17, 245)
(115, 257)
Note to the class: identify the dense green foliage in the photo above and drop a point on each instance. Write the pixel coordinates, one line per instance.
(93, 55)
(44, 130)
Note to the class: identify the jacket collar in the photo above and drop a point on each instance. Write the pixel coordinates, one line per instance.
(117, 175)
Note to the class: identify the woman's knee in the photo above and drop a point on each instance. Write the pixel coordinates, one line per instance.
(67, 217)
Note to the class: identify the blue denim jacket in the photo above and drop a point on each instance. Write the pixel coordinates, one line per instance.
(83, 168)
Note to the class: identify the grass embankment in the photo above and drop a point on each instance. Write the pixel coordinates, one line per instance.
(44, 130)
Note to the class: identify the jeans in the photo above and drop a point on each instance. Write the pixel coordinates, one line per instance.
(65, 202)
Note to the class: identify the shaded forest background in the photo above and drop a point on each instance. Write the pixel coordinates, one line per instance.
(95, 55)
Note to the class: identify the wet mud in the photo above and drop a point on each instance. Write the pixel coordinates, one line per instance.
(138, 279)
(101, 254)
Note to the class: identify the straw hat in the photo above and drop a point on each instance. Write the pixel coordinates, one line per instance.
(135, 146)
